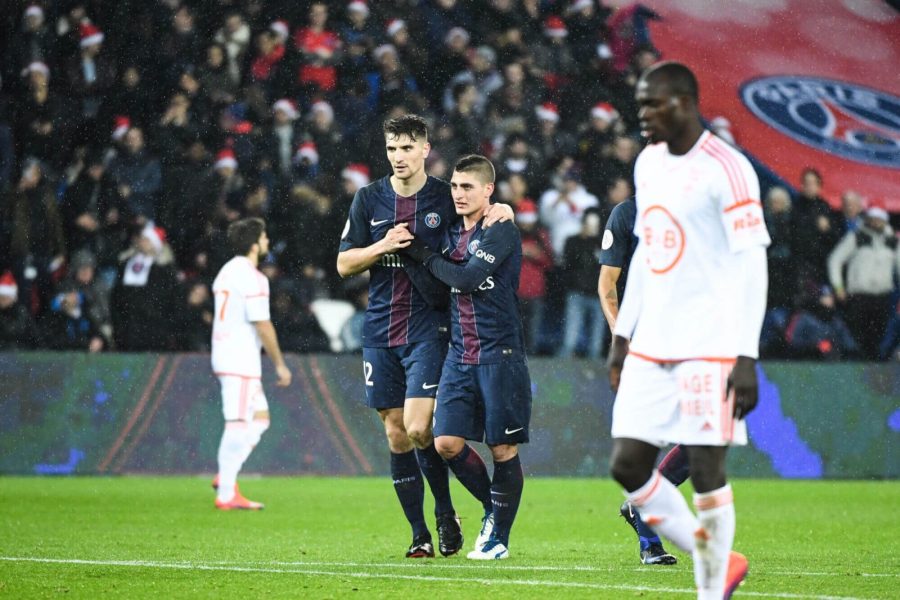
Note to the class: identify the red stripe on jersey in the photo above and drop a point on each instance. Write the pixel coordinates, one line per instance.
(737, 205)
(730, 165)
(469, 326)
(401, 287)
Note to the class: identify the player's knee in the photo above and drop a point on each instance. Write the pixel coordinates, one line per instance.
(398, 441)
(448, 446)
(420, 436)
(504, 452)
(627, 471)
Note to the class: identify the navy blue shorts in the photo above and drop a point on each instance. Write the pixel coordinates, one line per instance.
(489, 403)
(410, 371)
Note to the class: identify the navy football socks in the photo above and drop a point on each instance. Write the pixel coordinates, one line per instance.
(674, 465)
(410, 490)
(471, 472)
(436, 473)
(506, 492)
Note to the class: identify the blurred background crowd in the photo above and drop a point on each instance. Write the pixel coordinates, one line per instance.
(132, 132)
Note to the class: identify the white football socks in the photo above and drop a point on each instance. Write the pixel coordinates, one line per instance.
(233, 450)
(714, 539)
(665, 510)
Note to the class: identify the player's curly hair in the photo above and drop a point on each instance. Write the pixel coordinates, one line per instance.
(413, 126)
(244, 233)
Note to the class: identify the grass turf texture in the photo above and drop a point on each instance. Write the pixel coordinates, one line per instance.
(136, 537)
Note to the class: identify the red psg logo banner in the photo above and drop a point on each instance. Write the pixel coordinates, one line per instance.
(802, 84)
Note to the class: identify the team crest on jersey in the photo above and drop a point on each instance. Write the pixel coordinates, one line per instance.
(473, 246)
(432, 219)
(851, 121)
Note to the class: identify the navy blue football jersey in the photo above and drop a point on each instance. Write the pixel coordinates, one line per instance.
(482, 268)
(619, 241)
(397, 313)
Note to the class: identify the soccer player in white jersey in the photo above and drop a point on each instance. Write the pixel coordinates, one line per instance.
(686, 341)
(241, 328)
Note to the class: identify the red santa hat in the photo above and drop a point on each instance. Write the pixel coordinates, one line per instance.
(394, 26)
(358, 6)
(34, 11)
(90, 35)
(877, 211)
(156, 235)
(288, 107)
(38, 66)
(547, 112)
(555, 27)
(526, 212)
(281, 29)
(605, 111)
(226, 158)
(358, 173)
(322, 106)
(121, 125)
(8, 286)
(308, 151)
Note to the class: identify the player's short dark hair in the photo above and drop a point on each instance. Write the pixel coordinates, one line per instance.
(478, 164)
(413, 126)
(244, 233)
(677, 77)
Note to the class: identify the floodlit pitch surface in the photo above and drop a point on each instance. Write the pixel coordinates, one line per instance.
(135, 537)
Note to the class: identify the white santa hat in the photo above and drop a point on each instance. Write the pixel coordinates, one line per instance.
(34, 11)
(90, 35)
(156, 235)
(280, 28)
(394, 26)
(547, 112)
(578, 5)
(8, 286)
(876, 212)
(226, 158)
(288, 107)
(605, 111)
(308, 151)
(38, 66)
(358, 6)
(322, 106)
(457, 31)
(384, 49)
(555, 27)
(121, 126)
(358, 173)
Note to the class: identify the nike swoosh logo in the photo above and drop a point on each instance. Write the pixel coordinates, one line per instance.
(512, 431)
(425, 386)
(375, 223)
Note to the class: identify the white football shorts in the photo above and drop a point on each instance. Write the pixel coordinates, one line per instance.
(676, 403)
(242, 397)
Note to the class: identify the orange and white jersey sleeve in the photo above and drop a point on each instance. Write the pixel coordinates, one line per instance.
(242, 298)
(697, 214)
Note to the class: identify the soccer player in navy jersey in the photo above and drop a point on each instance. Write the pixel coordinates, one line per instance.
(485, 389)
(406, 327)
(616, 250)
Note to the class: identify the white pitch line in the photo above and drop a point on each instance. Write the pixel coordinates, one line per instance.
(505, 567)
(513, 582)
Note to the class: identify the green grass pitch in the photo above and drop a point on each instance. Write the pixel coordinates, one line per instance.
(136, 537)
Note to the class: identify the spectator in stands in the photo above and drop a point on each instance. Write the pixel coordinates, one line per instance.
(327, 137)
(518, 157)
(175, 130)
(82, 278)
(213, 76)
(40, 130)
(67, 325)
(33, 43)
(562, 210)
(595, 143)
(144, 298)
(91, 74)
(234, 37)
(320, 52)
(851, 216)
(282, 138)
(583, 311)
(816, 330)
(483, 76)
(618, 191)
(815, 233)
(548, 140)
(138, 178)
(37, 245)
(17, 329)
(553, 60)
(871, 256)
(195, 317)
(537, 259)
(782, 270)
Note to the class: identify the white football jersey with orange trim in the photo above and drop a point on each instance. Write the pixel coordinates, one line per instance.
(695, 213)
(242, 297)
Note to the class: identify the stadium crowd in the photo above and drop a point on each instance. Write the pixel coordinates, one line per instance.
(133, 132)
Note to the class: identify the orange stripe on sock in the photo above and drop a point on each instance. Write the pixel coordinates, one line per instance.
(716, 500)
(644, 497)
